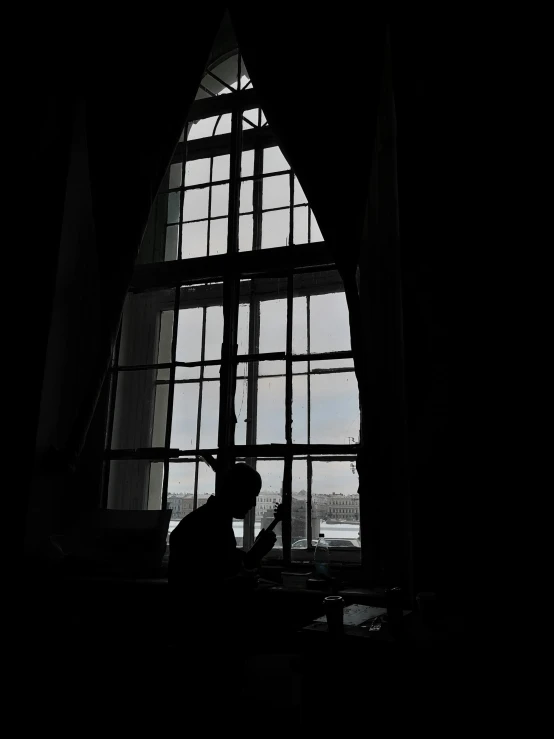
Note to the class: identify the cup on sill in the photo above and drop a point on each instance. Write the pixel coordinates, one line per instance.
(334, 607)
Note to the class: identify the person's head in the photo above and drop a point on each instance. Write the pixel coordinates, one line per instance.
(240, 489)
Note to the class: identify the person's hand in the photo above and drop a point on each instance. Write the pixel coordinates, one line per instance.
(265, 541)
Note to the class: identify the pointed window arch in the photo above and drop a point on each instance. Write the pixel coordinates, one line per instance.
(235, 342)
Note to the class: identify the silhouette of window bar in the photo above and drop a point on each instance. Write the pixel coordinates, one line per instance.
(246, 161)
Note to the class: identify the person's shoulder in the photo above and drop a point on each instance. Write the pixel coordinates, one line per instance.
(191, 523)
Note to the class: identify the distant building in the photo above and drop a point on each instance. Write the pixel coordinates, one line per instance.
(266, 502)
(182, 505)
(343, 507)
(327, 506)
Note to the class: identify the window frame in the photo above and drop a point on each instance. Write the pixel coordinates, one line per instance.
(290, 263)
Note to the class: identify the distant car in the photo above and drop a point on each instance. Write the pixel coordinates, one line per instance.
(303, 543)
(342, 543)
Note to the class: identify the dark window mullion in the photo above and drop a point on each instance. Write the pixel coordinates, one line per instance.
(286, 526)
(257, 198)
(111, 416)
(171, 393)
(181, 209)
(210, 205)
(309, 409)
(199, 413)
(226, 432)
(252, 399)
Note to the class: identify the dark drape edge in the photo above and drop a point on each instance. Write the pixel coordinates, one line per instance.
(126, 108)
(338, 188)
(311, 75)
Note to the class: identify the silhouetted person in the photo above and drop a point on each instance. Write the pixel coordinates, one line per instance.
(203, 550)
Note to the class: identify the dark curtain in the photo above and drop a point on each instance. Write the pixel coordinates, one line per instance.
(318, 76)
(136, 102)
(325, 83)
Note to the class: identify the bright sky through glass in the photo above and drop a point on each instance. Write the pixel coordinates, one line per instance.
(334, 397)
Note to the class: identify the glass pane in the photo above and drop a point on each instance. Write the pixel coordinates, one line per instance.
(140, 411)
(221, 166)
(300, 409)
(175, 173)
(189, 335)
(299, 368)
(331, 364)
(195, 239)
(271, 411)
(243, 329)
(203, 128)
(299, 194)
(218, 236)
(173, 207)
(220, 200)
(214, 332)
(185, 413)
(276, 191)
(300, 216)
(273, 325)
(335, 493)
(274, 161)
(212, 370)
(246, 194)
(247, 163)
(329, 323)
(275, 228)
(246, 232)
(241, 406)
(271, 368)
(335, 413)
(315, 234)
(206, 482)
(187, 373)
(210, 415)
(180, 482)
(171, 243)
(196, 204)
(299, 327)
(223, 125)
(197, 172)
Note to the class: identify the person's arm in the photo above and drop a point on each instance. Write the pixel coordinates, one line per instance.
(265, 541)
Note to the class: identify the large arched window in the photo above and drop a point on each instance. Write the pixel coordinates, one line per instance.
(235, 337)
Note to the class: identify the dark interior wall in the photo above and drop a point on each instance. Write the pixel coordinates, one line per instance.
(425, 181)
(37, 261)
(65, 369)
(429, 182)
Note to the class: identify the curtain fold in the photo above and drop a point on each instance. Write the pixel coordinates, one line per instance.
(318, 76)
(319, 79)
(136, 108)
(325, 85)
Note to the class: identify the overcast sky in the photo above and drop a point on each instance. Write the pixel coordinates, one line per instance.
(334, 397)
